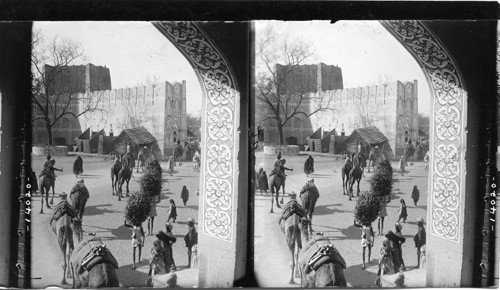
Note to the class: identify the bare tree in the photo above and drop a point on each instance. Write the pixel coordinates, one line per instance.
(370, 114)
(285, 99)
(55, 97)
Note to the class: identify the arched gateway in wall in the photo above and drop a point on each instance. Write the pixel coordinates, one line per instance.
(223, 228)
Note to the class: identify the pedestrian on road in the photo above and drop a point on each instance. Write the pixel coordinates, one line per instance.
(419, 239)
(137, 240)
(426, 161)
(78, 166)
(415, 195)
(309, 166)
(170, 165)
(172, 211)
(398, 233)
(402, 164)
(263, 182)
(191, 239)
(386, 264)
(381, 215)
(367, 240)
(152, 213)
(173, 239)
(403, 213)
(185, 195)
(395, 242)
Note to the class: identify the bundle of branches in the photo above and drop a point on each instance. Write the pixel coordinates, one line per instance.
(137, 209)
(381, 181)
(154, 167)
(150, 183)
(367, 208)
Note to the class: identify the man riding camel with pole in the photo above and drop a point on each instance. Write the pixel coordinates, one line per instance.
(279, 167)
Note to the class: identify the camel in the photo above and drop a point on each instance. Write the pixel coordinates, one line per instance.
(123, 176)
(355, 174)
(329, 269)
(102, 274)
(276, 182)
(115, 169)
(293, 228)
(64, 228)
(346, 169)
(44, 184)
(361, 159)
(78, 201)
(308, 203)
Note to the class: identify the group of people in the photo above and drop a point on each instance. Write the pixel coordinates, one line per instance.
(162, 250)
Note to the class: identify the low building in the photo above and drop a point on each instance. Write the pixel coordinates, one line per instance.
(136, 138)
(368, 137)
(88, 141)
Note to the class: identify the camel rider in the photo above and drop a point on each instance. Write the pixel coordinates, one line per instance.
(279, 167)
(48, 167)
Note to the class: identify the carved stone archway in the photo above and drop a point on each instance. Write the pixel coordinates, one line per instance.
(222, 248)
(449, 226)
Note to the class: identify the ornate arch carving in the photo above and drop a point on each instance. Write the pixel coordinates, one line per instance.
(448, 148)
(219, 146)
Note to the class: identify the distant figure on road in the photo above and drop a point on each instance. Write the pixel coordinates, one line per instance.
(137, 240)
(172, 211)
(185, 195)
(191, 239)
(78, 166)
(419, 239)
(403, 213)
(262, 180)
(170, 165)
(426, 161)
(415, 195)
(309, 166)
(402, 164)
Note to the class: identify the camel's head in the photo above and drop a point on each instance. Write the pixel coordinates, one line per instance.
(77, 227)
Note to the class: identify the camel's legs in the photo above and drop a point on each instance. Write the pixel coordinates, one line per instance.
(283, 196)
(113, 182)
(297, 272)
(129, 181)
(53, 193)
(41, 193)
(358, 186)
(64, 265)
(292, 266)
(272, 200)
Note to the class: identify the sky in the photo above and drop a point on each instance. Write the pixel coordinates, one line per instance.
(132, 51)
(364, 50)
(135, 50)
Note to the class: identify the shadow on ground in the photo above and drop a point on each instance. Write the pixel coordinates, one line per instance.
(358, 277)
(327, 209)
(126, 273)
(97, 209)
(122, 233)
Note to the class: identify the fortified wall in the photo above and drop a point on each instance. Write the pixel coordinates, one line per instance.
(311, 78)
(161, 109)
(392, 108)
